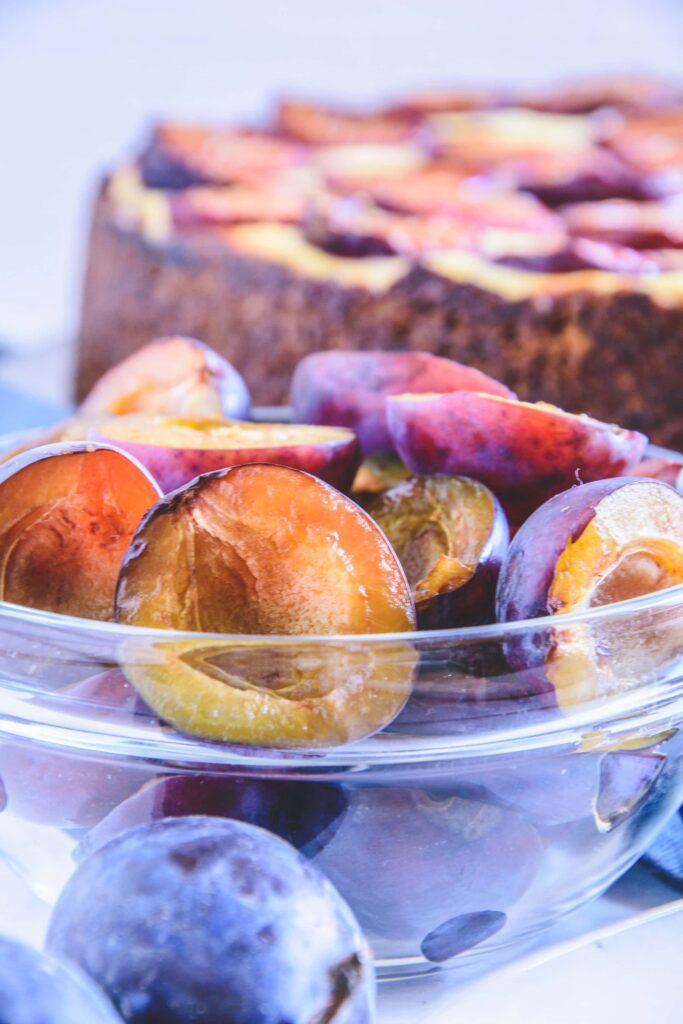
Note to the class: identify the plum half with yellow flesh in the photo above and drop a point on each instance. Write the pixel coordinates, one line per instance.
(268, 550)
(173, 376)
(525, 452)
(67, 515)
(450, 535)
(175, 451)
(594, 545)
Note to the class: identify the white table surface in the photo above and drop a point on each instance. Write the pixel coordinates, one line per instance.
(619, 959)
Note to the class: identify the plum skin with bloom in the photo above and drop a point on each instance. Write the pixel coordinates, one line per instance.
(203, 920)
(38, 989)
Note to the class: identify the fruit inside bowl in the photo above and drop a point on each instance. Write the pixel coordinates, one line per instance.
(209, 621)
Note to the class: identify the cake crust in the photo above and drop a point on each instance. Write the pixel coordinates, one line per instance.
(613, 353)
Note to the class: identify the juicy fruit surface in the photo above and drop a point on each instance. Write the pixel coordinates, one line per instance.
(604, 542)
(349, 389)
(444, 530)
(171, 377)
(67, 515)
(564, 556)
(175, 451)
(37, 989)
(225, 921)
(262, 549)
(266, 550)
(524, 452)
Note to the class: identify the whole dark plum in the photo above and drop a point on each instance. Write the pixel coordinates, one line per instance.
(448, 867)
(201, 919)
(37, 989)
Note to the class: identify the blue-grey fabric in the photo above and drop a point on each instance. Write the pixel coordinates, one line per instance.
(19, 411)
(665, 856)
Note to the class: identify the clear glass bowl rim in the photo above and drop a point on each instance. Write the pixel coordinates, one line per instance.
(621, 710)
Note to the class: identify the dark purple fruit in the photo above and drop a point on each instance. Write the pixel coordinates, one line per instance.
(203, 921)
(37, 989)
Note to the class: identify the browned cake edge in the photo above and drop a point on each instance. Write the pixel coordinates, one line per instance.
(615, 355)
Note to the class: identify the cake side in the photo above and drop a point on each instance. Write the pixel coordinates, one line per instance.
(603, 345)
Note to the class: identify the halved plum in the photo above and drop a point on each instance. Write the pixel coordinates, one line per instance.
(319, 125)
(377, 474)
(181, 155)
(447, 859)
(525, 452)
(175, 451)
(67, 515)
(450, 535)
(263, 549)
(171, 377)
(669, 471)
(350, 389)
(593, 545)
(237, 204)
(644, 225)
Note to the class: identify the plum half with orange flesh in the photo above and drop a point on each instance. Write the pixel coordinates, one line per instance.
(525, 452)
(173, 376)
(450, 534)
(268, 550)
(175, 451)
(67, 515)
(594, 545)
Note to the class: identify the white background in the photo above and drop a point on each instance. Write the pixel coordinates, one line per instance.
(80, 79)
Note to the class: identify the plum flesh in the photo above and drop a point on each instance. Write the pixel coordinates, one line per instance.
(349, 389)
(205, 920)
(602, 542)
(68, 513)
(38, 989)
(450, 534)
(524, 452)
(268, 550)
(175, 451)
(174, 376)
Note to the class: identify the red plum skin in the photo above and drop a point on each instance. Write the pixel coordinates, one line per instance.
(349, 389)
(525, 453)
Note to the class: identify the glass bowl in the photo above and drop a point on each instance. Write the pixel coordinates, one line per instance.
(487, 809)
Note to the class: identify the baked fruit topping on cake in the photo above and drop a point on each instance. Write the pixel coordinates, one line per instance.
(535, 236)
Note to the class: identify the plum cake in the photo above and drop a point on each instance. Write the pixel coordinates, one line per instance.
(536, 236)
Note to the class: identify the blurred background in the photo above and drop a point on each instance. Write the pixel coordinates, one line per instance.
(81, 79)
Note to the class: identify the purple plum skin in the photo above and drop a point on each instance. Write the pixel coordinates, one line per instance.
(38, 989)
(524, 453)
(349, 389)
(202, 919)
(335, 462)
(304, 814)
(433, 856)
(529, 567)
